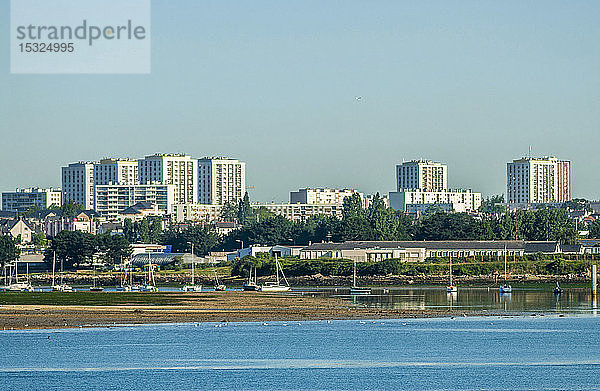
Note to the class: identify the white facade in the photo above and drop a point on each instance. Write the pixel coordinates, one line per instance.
(422, 174)
(171, 169)
(78, 184)
(196, 212)
(313, 196)
(537, 180)
(300, 212)
(296, 212)
(221, 180)
(461, 200)
(116, 171)
(22, 200)
(112, 199)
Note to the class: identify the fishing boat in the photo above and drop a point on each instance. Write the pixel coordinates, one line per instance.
(193, 287)
(276, 286)
(506, 288)
(251, 284)
(218, 286)
(451, 288)
(355, 289)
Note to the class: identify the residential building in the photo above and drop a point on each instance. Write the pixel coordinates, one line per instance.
(212, 213)
(22, 200)
(221, 180)
(140, 211)
(323, 196)
(422, 174)
(538, 180)
(171, 169)
(78, 184)
(418, 251)
(113, 199)
(111, 171)
(18, 229)
(205, 213)
(300, 212)
(463, 200)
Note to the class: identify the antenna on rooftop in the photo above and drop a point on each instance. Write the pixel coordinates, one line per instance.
(530, 151)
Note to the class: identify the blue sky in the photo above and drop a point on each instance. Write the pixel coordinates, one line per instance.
(469, 83)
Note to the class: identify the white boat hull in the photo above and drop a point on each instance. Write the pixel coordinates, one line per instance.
(505, 289)
(192, 288)
(274, 288)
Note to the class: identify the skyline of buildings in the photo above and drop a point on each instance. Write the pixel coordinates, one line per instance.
(113, 184)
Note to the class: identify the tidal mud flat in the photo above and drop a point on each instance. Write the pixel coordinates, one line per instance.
(83, 309)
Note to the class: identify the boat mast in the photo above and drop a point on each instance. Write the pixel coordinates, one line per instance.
(354, 275)
(277, 268)
(193, 264)
(505, 267)
(450, 271)
(53, 265)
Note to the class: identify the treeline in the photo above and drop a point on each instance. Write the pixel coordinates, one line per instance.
(377, 222)
(265, 266)
(75, 248)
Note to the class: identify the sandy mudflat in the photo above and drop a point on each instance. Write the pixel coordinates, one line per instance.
(16, 313)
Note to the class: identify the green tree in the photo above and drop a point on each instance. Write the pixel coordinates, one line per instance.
(129, 231)
(72, 247)
(114, 247)
(595, 230)
(144, 231)
(9, 251)
(38, 239)
(155, 230)
(244, 209)
(491, 204)
(70, 209)
(229, 212)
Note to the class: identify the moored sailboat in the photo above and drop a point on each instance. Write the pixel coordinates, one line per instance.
(355, 289)
(451, 288)
(506, 288)
(276, 286)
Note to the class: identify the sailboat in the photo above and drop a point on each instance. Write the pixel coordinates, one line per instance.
(252, 283)
(451, 288)
(95, 288)
(150, 286)
(557, 290)
(17, 286)
(124, 287)
(193, 287)
(506, 288)
(60, 287)
(355, 289)
(218, 285)
(276, 286)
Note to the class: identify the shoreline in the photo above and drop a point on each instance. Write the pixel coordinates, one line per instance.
(202, 308)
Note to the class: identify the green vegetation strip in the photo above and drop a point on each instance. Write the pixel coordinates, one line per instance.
(92, 298)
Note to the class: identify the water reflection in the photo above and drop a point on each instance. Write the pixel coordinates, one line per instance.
(537, 299)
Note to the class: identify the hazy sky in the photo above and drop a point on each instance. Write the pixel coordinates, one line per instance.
(469, 83)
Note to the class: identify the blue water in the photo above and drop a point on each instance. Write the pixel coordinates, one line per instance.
(512, 353)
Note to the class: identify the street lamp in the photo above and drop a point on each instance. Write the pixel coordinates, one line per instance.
(240, 241)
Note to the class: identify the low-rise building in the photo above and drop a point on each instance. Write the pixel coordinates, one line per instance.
(418, 251)
(463, 200)
(323, 196)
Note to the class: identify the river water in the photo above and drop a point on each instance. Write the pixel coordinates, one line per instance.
(517, 351)
(486, 353)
